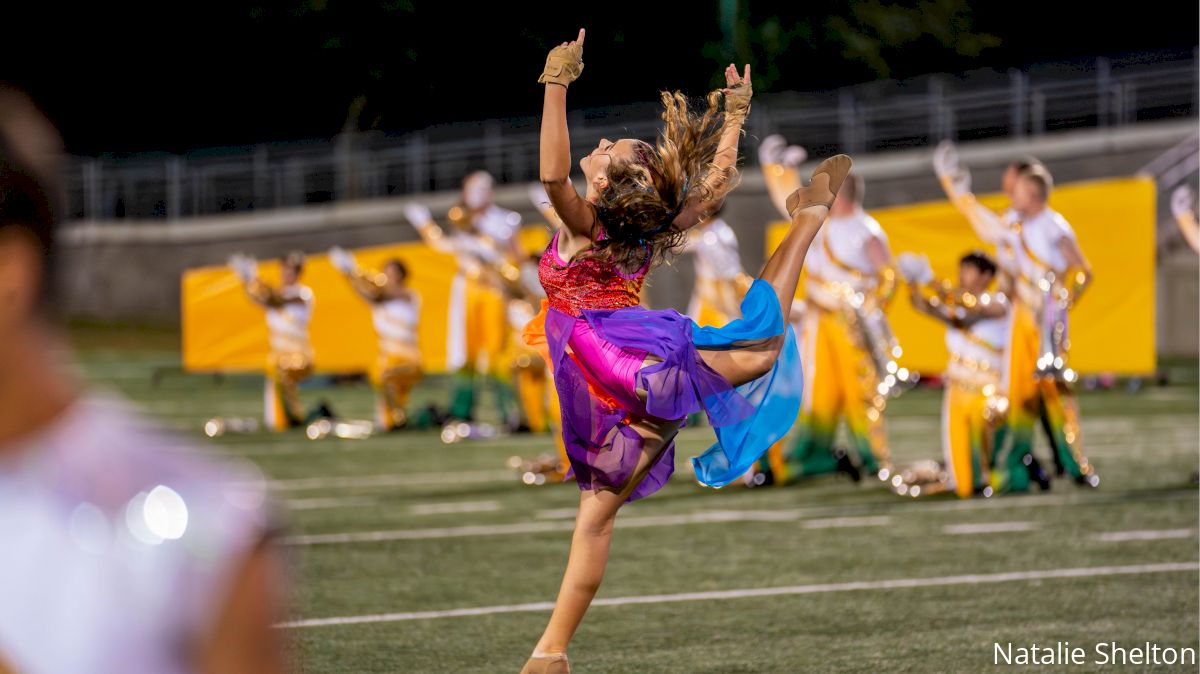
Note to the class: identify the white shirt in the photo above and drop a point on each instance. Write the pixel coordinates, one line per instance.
(1032, 251)
(1039, 237)
(983, 342)
(842, 243)
(119, 542)
(498, 223)
(396, 323)
(716, 250)
(288, 324)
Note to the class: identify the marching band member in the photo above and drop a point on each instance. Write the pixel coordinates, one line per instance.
(847, 347)
(1045, 271)
(720, 280)
(289, 310)
(974, 402)
(482, 242)
(395, 310)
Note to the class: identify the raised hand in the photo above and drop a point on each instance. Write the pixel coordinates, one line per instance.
(794, 155)
(244, 266)
(342, 259)
(564, 64)
(914, 268)
(417, 215)
(738, 91)
(771, 149)
(945, 164)
(1183, 201)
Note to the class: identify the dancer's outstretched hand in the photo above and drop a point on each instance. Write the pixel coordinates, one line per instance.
(737, 92)
(564, 64)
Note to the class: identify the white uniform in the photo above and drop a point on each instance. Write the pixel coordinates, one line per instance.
(1032, 250)
(715, 296)
(288, 324)
(838, 256)
(716, 251)
(396, 325)
(498, 223)
(977, 353)
(473, 252)
(119, 542)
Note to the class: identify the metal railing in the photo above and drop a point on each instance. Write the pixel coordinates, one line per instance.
(879, 116)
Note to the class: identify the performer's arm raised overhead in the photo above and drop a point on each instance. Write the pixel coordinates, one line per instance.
(956, 182)
(563, 66)
(721, 177)
(422, 220)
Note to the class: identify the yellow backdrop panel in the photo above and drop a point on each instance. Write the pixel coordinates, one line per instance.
(1112, 327)
(224, 331)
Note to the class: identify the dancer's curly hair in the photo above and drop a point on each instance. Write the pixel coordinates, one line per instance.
(645, 195)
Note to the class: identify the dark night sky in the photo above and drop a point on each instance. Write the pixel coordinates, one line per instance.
(173, 76)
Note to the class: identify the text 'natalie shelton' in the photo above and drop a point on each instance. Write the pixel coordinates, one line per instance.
(1103, 653)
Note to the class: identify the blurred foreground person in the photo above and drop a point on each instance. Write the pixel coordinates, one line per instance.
(125, 552)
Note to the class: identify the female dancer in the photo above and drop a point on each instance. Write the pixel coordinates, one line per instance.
(628, 376)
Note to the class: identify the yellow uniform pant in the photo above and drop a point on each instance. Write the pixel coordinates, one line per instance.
(967, 436)
(714, 301)
(839, 384)
(393, 377)
(1032, 397)
(281, 404)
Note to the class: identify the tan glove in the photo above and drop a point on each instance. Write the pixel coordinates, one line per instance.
(563, 65)
(738, 91)
(737, 102)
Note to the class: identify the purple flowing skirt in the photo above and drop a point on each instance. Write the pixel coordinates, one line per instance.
(604, 450)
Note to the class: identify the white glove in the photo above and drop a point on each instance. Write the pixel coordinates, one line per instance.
(537, 195)
(793, 156)
(244, 266)
(945, 159)
(914, 268)
(342, 260)
(417, 214)
(1183, 201)
(770, 150)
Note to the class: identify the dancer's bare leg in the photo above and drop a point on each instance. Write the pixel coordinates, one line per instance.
(591, 540)
(809, 207)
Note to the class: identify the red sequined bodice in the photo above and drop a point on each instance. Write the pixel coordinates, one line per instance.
(587, 283)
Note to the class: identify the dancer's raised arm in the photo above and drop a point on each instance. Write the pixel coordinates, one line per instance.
(720, 179)
(563, 66)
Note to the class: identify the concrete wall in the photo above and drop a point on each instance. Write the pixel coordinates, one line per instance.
(129, 270)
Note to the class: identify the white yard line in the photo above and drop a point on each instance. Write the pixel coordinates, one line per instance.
(988, 528)
(839, 522)
(1145, 535)
(847, 513)
(327, 503)
(455, 507)
(395, 480)
(818, 588)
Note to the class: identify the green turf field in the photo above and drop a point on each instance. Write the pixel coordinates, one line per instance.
(459, 532)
